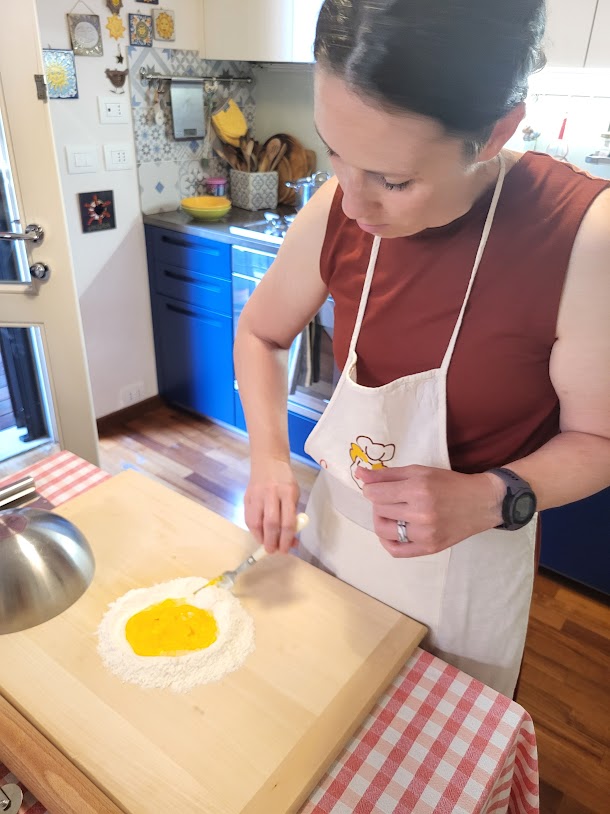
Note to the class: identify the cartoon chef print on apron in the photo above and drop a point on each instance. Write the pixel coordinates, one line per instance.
(474, 597)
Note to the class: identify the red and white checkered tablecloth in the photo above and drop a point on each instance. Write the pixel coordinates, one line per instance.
(437, 742)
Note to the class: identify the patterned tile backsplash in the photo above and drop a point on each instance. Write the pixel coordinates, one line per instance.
(170, 170)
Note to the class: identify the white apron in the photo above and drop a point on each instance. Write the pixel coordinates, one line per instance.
(475, 596)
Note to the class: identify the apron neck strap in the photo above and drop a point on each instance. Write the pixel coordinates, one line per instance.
(365, 295)
(486, 231)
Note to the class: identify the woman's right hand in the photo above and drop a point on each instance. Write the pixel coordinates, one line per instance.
(271, 505)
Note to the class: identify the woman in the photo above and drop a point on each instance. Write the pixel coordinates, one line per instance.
(471, 323)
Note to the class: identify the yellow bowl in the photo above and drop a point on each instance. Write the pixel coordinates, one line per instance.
(206, 207)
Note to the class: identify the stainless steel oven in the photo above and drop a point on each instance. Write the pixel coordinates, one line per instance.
(312, 373)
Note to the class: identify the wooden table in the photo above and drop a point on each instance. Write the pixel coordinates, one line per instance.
(436, 741)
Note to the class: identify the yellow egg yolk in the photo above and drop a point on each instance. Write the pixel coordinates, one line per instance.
(170, 628)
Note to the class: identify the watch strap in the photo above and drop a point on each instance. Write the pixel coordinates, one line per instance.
(515, 486)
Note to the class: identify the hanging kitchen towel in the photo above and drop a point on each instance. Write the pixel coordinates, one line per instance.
(187, 109)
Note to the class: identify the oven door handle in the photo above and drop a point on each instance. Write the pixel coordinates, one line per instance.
(251, 279)
(260, 253)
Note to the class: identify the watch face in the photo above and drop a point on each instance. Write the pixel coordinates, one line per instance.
(524, 508)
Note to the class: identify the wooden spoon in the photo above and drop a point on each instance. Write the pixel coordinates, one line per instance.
(263, 160)
(248, 151)
(254, 155)
(233, 158)
(220, 152)
(273, 148)
(278, 158)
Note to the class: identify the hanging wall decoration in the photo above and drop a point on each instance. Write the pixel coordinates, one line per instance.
(117, 79)
(140, 30)
(60, 73)
(116, 27)
(164, 27)
(86, 35)
(150, 2)
(97, 211)
(114, 5)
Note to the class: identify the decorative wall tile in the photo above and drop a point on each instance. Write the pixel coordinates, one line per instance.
(164, 26)
(159, 187)
(191, 179)
(154, 141)
(140, 30)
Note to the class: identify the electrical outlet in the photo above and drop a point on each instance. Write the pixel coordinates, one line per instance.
(131, 394)
(112, 110)
(118, 156)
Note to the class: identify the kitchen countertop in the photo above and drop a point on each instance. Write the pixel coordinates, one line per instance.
(179, 221)
(436, 741)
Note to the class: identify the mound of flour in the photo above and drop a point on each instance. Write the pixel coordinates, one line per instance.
(178, 673)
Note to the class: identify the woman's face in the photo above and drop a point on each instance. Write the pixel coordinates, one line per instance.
(400, 173)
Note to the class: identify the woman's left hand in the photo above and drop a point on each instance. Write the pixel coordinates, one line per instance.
(440, 507)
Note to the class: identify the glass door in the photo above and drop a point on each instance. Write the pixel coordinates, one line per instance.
(44, 385)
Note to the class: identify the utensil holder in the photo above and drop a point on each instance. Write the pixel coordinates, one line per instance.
(254, 190)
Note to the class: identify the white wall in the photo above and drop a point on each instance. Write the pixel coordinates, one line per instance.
(284, 104)
(110, 267)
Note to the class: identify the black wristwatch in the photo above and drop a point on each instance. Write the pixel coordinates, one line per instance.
(519, 505)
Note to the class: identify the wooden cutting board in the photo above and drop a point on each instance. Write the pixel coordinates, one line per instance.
(256, 742)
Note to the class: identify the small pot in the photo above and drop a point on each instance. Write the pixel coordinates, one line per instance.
(306, 187)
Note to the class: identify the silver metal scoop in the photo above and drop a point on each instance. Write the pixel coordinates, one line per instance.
(46, 564)
(11, 798)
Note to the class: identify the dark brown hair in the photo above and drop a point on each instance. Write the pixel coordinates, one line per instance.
(465, 63)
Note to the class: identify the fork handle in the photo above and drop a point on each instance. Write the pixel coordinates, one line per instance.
(257, 555)
(302, 521)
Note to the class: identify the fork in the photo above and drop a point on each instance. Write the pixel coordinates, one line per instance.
(227, 579)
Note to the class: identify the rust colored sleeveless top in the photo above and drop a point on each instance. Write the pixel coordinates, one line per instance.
(501, 405)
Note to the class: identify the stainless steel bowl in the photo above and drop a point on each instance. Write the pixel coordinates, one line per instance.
(46, 564)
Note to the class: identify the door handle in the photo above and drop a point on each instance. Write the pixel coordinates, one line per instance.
(33, 233)
(40, 272)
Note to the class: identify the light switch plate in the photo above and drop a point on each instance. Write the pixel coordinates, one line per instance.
(81, 158)
(118, 156)
(113, 109)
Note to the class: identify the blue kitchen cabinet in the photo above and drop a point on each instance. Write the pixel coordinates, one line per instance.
(299, 427)
(190, 288)
(576, 541)
(198, 288)
(195, 360)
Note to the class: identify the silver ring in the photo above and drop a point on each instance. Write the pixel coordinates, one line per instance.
(401, 528)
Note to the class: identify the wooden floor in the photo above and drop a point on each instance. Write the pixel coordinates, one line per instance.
(565, 684)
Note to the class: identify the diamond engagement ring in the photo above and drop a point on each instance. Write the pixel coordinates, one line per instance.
(401, 528)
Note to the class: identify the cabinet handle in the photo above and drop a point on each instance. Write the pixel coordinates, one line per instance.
(254, 251)
(184, 278)
(189, 244)
(195, 314)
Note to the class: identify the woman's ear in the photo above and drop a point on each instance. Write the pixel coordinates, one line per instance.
(504, 130)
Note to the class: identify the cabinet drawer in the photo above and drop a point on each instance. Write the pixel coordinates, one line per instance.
(195, 359)
(197, 254)
(194, 287)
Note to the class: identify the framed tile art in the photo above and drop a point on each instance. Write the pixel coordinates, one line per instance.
(164, 25)
(86, 35)
(60, 73)
(140, 30)
(97, 211)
